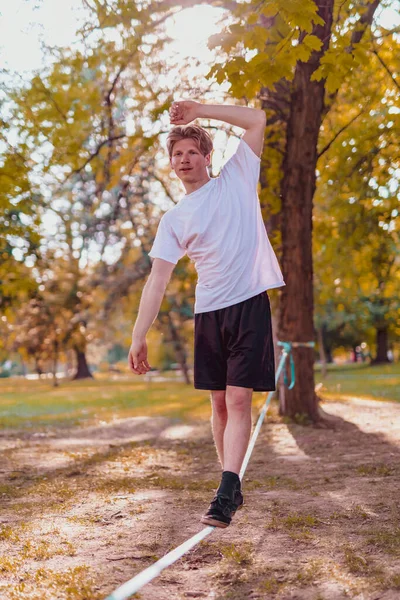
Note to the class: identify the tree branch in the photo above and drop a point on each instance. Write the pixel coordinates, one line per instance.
(92, 156)
(329, 144)
(386, 68)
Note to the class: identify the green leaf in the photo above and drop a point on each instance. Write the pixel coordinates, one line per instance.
(303, 54)
(304, 23)
(270, 9)
(313, 42)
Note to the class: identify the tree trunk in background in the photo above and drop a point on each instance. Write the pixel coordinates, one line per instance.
(354, 354)
(38, 368)
(82, 369)
(298, 188)
(327, 347)
(381, 346)
(179, 348)
(320, 335)
(55, 360)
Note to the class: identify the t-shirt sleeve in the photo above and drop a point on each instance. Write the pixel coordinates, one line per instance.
(243, 165)
(166, 244)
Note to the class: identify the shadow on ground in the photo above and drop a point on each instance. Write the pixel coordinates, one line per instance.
(321, 519)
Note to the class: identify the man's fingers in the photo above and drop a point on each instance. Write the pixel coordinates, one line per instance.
(135, 369)
(138, 362)
(133, 363)
(138, 368)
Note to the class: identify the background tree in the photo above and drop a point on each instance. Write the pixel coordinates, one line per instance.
(95, 118)
(303, 55)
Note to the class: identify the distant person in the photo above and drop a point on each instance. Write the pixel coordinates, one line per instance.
(218, 223)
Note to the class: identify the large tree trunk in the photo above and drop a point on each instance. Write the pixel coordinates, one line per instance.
(381, 346)
(82, 369)
(298, 187)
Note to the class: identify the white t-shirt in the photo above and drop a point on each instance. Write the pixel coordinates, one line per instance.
(220, 227)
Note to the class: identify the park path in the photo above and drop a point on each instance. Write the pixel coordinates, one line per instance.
(84, 510)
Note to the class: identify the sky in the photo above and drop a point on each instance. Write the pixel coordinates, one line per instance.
(24, 23)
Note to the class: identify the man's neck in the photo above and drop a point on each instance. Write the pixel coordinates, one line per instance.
(196, 185)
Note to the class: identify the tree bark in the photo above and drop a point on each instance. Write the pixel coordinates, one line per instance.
(381, 346)
(354, 354)
(82, 369)
(298, 187)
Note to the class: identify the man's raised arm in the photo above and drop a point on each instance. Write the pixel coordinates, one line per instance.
(251, 119)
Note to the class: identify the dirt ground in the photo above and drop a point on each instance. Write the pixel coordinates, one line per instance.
(84, 510)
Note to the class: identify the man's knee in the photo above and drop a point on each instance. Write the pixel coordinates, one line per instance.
(238, 399)
(218, 400)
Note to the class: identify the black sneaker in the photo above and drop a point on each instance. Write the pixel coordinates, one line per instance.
(239, 501)
(222, 509)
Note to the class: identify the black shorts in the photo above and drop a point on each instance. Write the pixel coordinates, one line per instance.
(234, 346)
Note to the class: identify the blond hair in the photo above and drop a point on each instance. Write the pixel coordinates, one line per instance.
(198, 134)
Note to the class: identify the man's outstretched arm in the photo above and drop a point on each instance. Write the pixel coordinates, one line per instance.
(251, 119)
(241, 116)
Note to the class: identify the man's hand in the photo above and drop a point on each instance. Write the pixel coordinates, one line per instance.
(183, 112)
(137, 358)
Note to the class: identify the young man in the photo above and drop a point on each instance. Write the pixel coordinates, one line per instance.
(219, 224)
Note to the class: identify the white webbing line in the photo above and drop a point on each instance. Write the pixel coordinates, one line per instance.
(136, 583)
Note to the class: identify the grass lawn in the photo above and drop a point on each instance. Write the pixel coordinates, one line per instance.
(83, 513)
(37, 404)
(360, 380)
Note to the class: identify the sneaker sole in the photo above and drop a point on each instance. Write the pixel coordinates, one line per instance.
(213, 522)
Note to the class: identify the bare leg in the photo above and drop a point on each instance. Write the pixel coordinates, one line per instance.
(238, 427)
(218, 421)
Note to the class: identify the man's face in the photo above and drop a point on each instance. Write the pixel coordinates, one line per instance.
(188, 162)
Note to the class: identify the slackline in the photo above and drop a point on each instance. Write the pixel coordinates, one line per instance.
(138, 581)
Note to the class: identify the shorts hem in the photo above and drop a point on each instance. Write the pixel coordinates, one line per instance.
(217, 387)
(209, 386)
(267, 387)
